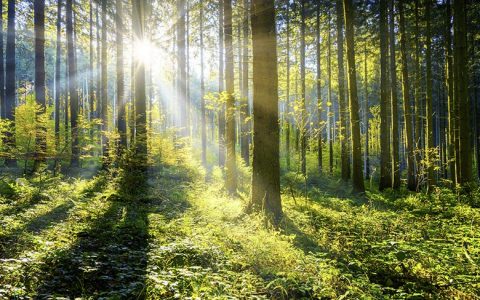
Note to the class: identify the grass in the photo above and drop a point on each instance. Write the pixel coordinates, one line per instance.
(184, 238)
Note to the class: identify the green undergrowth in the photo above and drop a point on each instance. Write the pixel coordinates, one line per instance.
(183, 237)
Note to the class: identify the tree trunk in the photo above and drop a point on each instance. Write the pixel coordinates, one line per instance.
(121, 114)
(329, 96)
(461, 93)
(418, 100)
(245, 109)
(91, 89)
(319, 93)
(450, 89)
(303, 120)
(138, 24)
(385, 160)
(345, 156)
(266, 162)
(221, 87)
(202, 92)
(411, 184)
(182, 71)
(357, 176)
(287, 109)
(231, 168)
(58, 64)
(394, 105)
(430, 146)
(72, 78)
(104, 81)
(10, 84)
(41, 133)
(366, 119)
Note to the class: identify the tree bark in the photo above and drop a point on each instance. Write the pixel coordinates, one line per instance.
(58, 64)
(266, 140)
(221, 87)
(430, 146)
(10, 83)
(394, 103)
(245, 107)
(121, 114)
(303, 120)
(41, 132)
(319, 92)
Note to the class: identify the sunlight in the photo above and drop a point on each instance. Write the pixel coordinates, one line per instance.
(144, 51)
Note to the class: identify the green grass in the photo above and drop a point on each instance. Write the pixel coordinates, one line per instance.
(185, 238)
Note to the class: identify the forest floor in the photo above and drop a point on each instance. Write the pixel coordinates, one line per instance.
(186, 239)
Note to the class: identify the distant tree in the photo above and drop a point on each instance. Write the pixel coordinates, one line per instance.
(2, 66)
(39, 26)
(202, 91)
(221, 87)
(303, 119)
(121, 115)
(104, 80)
(181, 69)
(319, 89)
(394, 100)
(72, 75)
(10, 84)
(58, 64)
(385, 161)
(287, 109)
(245, 109)
(231, 168)
(357, 176)
(429, 94)
(450, 89)
(266, 141)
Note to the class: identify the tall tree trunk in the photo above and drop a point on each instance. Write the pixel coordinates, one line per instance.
(411, 184)
(287, 109)
(303, 120)
(450, 89)
(138, 24)
(221, 88)
(418, 99)
(319, 92)
(182, 74)
(245, 108)
(461, 93)
(2, 66)
(357, 176)
(41, 133)
(385, 160)
(10, 84)
(329, 96)
(72, 78)
(231, 168)
(345, 156)
(366, 118)
(91, 90)
(121, 115)
(104, 81)
(202, 92)
(266, 137)
(394, 99)
(430, 146)
(58, 64)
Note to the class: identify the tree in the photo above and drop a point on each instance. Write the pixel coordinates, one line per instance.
(182, 71)
(231, 168)
(329, 97)
(394, 101)
(2, 66)
(411, 184)
(357, 176)
(245, 108)
(319, 91)
(138, 24)
(221, 87)
(345, 156)
(450, 90)
(10, 86)
(287, 109)
(41, 134)
(430, 147)
(58, 64)
(266, 141)
(72, 83)
(91, 90)
(303, 119)
(104, 81)
(202, 92)
(121, 116)
(385, 170)
(461, 93)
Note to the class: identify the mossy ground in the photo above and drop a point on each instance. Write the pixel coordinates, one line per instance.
(185, 238)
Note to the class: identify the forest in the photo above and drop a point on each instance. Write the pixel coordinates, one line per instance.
(239, 149)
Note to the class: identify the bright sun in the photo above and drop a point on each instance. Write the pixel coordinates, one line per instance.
(143, 51)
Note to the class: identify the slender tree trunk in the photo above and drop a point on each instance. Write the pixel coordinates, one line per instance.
(58, 64)
(104, 82)
(430, 146)
(319, 92)
(121, 115)
(329, 102)
(411, 184)
(345, 156)
(418, 99)
(91, 90)
(366, 118)
(72, 75)
(385, 160)
(41, 133)
(303, 120)
(287, 110)
(202, 92)
(266, 138)
(394, 105)
(182, 74)
(2, 66)
(138, 24)
(450, 89)
(10, 84)
(357, 176)
(221, 88)
(245, 108)
(461, 93)
(231, 168)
